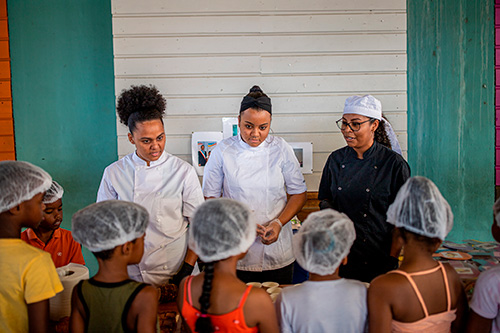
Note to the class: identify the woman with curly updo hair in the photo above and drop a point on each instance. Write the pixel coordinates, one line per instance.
(362, 180)
(165, 185)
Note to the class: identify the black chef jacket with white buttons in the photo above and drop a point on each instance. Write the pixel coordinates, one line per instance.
(363, 189)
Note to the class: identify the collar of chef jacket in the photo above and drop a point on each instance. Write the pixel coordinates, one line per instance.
(139, 161)
(263, 145)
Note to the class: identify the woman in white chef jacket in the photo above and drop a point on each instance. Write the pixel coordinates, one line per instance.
(259, 170)
(165, 185)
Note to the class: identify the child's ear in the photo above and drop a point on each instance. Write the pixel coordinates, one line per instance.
(436, 246)
(344, 261)
(16, 210)
(126, 248)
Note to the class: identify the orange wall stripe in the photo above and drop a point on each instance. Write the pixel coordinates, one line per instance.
(7, 142)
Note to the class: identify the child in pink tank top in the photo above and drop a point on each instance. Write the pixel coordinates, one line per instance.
(422, 295)
(220, 233)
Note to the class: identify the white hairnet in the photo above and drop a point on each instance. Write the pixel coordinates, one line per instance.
(54, 193)
(107, 224)
(19, 182)
(420, 208)
(496, 211)
(221, 228)
(324, 239)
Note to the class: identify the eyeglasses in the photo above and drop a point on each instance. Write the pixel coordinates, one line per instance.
(354, 126)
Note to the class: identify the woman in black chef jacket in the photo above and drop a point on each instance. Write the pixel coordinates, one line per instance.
(362, 180)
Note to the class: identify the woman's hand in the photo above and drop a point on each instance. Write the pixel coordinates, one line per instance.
(269, 232)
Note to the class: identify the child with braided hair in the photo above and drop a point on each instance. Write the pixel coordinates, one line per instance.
(216, 300)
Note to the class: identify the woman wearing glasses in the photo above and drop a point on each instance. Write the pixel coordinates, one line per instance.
(362, 180)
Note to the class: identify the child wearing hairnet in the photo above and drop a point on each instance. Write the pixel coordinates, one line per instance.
(221, 233)
(48, 236)
(110, 301)
(326, 302)
(485, 303)
(29, 277)
(423, 295)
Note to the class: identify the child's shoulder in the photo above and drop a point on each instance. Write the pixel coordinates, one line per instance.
(489, 278)
(388, 283)
(20, 249)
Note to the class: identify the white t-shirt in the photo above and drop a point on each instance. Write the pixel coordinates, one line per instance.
(486, 298)
(323, 306)
(170, 191)
(260, 177)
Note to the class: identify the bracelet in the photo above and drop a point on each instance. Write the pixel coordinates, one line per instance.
(277, 220)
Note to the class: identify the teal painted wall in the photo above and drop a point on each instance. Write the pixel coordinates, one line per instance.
(451, 113)
(63, 94)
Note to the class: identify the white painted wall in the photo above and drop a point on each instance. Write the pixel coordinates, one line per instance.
(308, 56)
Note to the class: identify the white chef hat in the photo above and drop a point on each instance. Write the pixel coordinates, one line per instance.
(54, 193)
(105, 225)
(366, 105)
(371, 107)
(324, 239)
(19, 182)
(221, 228)
(420, 208)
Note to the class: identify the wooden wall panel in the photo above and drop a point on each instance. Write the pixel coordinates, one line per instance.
(451, 107)
(7, 143)
(308, 56)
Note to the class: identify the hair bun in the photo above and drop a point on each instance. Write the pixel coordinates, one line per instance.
(256, 89)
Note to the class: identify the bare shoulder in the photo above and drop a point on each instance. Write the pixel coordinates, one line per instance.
(456, 287)
(258, 296)
(259, 311)
(147, 293)
(388, 287)
(258, 303)
(387, 282)
(146, 300)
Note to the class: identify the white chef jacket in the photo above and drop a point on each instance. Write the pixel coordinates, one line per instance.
(170, 191)
(260, 177)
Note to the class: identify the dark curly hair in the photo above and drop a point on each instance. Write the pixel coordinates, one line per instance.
(140, 103)
(380, 133)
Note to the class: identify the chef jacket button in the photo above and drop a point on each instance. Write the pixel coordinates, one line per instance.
(364, 215)
(339, 188)
(343, 166)
(164, 266)
(375, 167)
(158, 193)
(364, 240)
(367, 190)
(158, 219)
(143, 272)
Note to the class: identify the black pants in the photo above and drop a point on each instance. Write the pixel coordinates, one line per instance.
(281, 275)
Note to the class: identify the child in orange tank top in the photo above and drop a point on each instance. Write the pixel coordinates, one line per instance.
(422, 295)
(216, 300)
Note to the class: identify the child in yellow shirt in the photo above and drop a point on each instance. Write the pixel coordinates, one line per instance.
(29, 277)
